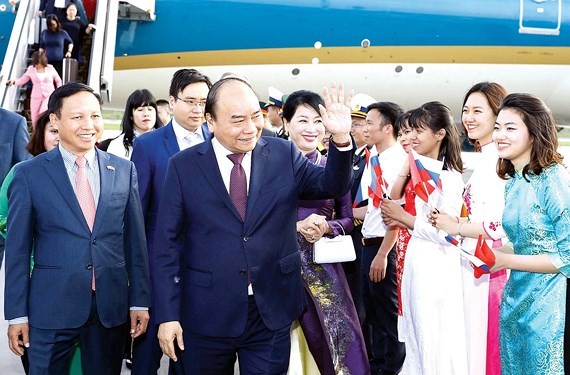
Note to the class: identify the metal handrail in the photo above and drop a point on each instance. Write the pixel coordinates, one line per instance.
(103, 49)
(15, 60)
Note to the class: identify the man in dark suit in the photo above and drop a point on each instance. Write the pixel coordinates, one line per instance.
(78, 208)
(14, 137)
(151, 153)
(359, 132)
(226, 265)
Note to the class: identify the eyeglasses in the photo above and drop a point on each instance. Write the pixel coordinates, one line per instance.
(192, 102)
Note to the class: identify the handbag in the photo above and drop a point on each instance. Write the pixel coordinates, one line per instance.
(334, 250)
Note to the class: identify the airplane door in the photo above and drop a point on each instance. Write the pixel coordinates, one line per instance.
(541, 17)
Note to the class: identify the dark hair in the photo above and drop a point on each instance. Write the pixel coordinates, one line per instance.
(38, 57)
(56, 98)
(37, 141)
(184, 77)
(541, 126)
(494, 93)
(389, 112)
(402, 121)
(139, 98)
(53, 17)
(299, 98)
(212, 99)
(436, 116)
(160, 102)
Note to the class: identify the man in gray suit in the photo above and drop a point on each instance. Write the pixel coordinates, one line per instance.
(14, 137)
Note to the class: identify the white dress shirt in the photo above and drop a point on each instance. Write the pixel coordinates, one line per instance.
(391, 161)
(186, 138)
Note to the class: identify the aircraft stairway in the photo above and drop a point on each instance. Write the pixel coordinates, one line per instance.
(17, 55)
(98, 53)
(100, 75)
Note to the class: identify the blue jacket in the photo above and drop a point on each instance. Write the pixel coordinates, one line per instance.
(45, 214)
(203, 251)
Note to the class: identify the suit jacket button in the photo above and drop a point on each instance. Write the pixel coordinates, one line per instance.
(245, 238)
(242, 272)
(89, 266)
(94, 241)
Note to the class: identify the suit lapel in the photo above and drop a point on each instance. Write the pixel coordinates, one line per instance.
(206, 133)
(56, 171)
(258, 162)
(107, 181)
(170, 140)
(209, 166)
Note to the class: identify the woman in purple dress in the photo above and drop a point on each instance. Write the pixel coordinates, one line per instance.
(330, 323)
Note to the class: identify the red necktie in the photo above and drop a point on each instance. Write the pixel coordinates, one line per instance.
(85, 198)
(238, 184)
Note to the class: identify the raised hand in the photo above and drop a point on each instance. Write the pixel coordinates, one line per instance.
(336, 113)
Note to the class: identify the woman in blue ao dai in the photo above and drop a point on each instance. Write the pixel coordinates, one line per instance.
(537, 221)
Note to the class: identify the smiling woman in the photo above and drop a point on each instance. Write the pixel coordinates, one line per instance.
(330, 324)
(483, 201)
(139, 118)
(537, 220)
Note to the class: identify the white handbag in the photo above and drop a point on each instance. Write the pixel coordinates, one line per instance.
(334, 250)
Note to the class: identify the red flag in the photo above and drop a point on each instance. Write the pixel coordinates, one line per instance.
(425, 174)
(378, 186)
(483, 252)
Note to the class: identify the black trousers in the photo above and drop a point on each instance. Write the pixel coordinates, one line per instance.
(381, 306)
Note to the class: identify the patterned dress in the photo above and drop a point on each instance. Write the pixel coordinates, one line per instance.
(330, 323)
(533, 311)
(403, 239)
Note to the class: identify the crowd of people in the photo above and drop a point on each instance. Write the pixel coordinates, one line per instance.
(193, 235)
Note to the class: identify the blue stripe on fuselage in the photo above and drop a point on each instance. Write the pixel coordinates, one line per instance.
(197, 25)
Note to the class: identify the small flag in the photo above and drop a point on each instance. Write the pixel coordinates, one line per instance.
(462, 252)
(425, 174)
(378, 186)
(483, 252)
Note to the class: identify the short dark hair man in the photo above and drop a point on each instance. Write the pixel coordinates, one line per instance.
(226, 259)
(163, 109)
(78, 208)
(378, 266)
(188, 91)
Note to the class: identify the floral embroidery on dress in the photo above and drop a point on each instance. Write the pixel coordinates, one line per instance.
(494, 225)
